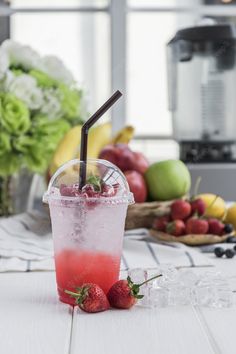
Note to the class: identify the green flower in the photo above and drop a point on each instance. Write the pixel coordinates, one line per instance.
(70, 102)
(5, 144)
(9, 164)
(36, 159)
(43, 80)
(53, 128)
(33, 152)
(14, 114)
(23, 144)
(38, 146)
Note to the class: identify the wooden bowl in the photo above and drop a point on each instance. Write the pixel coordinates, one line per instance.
(190, 240)
(142, 215)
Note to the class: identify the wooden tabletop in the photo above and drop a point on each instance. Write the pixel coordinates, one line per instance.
(33, 321)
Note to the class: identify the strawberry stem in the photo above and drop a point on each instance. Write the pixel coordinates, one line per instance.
(209, 206)
(146, 281)
(196, 187)
(72, 293)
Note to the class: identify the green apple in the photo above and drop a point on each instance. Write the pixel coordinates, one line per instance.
(168, 180)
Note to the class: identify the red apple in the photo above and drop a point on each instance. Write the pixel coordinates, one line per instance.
(140, 163)
(124, 158)
(137, 186)
(109, 153)
(119, 154)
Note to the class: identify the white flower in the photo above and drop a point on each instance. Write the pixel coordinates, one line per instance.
(51, 104)
(21, 55)
(5, 81)
(25, 88)
(4, 62)
(55, 68)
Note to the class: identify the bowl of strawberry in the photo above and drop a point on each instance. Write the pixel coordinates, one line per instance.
(187, 222)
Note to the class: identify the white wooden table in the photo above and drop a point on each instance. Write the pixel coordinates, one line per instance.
(33, 321)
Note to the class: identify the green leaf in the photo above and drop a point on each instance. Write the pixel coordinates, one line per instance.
(5, 144)
(95, 181)
(135, 289)
(130, 283)
(17, 68)
(39, 144)
(43, 80)
(9, 164)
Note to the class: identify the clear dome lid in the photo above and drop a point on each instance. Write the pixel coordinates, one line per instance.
(104, 181)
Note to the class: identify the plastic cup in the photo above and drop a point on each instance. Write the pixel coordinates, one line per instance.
(87, 225)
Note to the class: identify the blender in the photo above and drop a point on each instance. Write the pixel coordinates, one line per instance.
(201, 65)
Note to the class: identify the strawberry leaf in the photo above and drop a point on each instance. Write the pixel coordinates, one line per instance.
(80, 294)
(130, 282)
(95, 181)
(135, 289)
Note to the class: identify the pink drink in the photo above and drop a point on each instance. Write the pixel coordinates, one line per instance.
(87, 224)
(87, 244)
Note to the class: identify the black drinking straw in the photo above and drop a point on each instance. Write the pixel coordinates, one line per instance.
(84, 134)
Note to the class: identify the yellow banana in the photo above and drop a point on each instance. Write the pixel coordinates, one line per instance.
(98, 137)
(123, 136)
(67, 148)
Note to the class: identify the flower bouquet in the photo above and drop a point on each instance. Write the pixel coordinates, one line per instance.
(39, 102)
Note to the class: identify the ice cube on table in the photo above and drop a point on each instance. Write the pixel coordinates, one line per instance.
(187, 277)
(223, 297)
(182, 288)
(213, 278)
(158, 297)
(213, 274)
(145, 301)
(179, 295)
(138, 275)
(204, 295)
(169, 274)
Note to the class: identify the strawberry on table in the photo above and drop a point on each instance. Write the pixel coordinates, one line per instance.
(90, 298)
(216, 227)
(198, 207)
(180, 209)
(176, 228)
(124, 293)
(161, 223)
(196, 226)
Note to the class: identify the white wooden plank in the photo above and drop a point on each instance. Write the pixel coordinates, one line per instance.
(32, 321)
(137, 255)
(173, 330)
(220, 324)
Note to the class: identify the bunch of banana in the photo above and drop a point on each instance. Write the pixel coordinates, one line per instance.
(99, 136)
(123, 136)
(67, 149)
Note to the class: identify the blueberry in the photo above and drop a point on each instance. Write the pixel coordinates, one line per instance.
(231, 239)
(229, 253)
(228, 228)
(219, 251)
